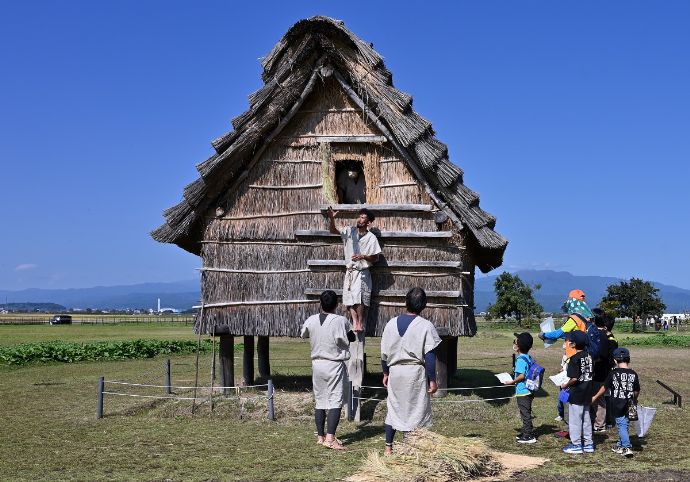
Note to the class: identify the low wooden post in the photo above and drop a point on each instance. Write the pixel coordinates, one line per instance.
(263, 354)
(442, 368)
(227, 362)
(248, 361)
(271, 408)
(168, 383)
(99, 407)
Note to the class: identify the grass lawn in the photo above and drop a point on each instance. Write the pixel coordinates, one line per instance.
(49, 428)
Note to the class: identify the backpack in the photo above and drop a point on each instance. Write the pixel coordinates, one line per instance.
(534, 375)
(593, 338)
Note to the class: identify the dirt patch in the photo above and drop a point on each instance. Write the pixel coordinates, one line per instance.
(659, 476)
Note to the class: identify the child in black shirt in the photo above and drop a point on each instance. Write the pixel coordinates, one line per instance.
(624, 386)
(579, 371)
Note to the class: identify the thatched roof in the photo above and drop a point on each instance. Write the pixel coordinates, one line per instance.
(313, 48)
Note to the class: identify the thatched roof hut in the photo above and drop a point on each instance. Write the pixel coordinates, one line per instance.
(256, 213)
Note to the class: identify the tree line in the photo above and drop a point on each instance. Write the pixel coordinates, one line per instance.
(636, 299)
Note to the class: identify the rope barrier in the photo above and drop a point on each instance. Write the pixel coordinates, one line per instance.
(135, 395)
(236, 388)
(436, 400)
(449, 389)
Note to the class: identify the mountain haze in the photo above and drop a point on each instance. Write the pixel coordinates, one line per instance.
(182, 295)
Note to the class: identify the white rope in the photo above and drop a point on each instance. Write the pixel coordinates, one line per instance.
(117, 382)
(469, 401)
(449, 389)
(174, 398)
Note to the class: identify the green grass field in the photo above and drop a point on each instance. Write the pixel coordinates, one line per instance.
(50, 431)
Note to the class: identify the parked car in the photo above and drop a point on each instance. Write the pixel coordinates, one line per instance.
(61, 320)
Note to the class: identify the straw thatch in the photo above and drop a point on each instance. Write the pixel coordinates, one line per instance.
(327, 99)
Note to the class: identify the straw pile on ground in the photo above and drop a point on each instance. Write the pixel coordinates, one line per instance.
(426, 456)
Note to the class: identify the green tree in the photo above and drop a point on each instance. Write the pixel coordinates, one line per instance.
(636, 299)
(515, 298)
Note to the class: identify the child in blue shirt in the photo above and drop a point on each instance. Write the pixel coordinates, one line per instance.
(522, 344)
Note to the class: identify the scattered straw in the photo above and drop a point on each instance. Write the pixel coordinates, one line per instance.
(425, 456)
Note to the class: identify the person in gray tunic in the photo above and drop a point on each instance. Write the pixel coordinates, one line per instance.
(329, 335)
(409, 368)
(361, 252)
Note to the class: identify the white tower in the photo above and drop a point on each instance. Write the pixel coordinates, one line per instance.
(159, 305)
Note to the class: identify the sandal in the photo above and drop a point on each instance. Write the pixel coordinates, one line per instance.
(334, 444)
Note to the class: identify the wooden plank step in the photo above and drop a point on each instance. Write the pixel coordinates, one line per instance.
(388, 263)
(322, 233)
(388, 293)
(377, 208)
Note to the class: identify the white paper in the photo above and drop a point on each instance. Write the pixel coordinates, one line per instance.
(546, 326)
(560, 378)
(645, 415)
(504, 377)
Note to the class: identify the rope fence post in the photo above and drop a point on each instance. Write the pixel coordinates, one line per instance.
(168, 383)
(99, 407)
(271, 408)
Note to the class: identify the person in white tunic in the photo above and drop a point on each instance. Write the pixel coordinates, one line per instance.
(361, 252)
(329, 335)
(409, 368)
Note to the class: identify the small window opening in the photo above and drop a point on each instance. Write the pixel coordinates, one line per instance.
(350, 183)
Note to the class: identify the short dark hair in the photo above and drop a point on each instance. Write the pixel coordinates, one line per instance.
(370, 216)
(599, 317)
(625, 359)
(415, 300)
(329, 300)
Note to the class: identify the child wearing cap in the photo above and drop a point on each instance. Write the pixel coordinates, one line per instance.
(623, 384)
(579, 371)
(522, 344)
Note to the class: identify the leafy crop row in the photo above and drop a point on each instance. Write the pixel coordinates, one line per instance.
(658, 340)
(59, 351)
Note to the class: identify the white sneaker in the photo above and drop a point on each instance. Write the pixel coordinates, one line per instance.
(558, 419)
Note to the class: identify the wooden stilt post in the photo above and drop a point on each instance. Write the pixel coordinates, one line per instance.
(355, 370)
(227, 362)
(442, 368)
(248, 361)
(262, 350)
(452, 357)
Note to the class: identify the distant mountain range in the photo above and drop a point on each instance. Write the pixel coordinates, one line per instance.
(555, 286)
(182, 295)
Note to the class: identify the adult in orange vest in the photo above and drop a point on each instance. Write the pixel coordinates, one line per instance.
(578, 313)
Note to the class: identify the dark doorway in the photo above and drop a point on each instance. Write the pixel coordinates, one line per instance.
(350, 183)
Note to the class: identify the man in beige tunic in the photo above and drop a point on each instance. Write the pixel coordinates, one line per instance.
(329, 335)
(361, 252)
(409, 368)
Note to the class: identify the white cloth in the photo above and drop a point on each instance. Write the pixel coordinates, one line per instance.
(408, 402)
(329, 350)
(357, 283)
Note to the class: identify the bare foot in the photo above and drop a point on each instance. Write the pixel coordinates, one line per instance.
(319, 440)
(388, 450)
(333, 443)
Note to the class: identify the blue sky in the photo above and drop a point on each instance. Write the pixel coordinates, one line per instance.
(571, 119)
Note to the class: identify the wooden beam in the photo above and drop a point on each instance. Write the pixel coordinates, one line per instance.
(390, 263)
(255, 302)
(340, 138)
(386, 293)
(293, 186)
(427, 208)
(382, 234)
(227, 362)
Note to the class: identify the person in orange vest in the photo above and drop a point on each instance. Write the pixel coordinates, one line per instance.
(575, 305)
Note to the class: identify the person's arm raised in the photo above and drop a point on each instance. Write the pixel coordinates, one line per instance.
(331, 220)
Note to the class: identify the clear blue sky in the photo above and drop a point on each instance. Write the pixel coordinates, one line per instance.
(571, 119)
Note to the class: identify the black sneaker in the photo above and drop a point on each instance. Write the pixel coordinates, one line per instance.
(526, 440)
